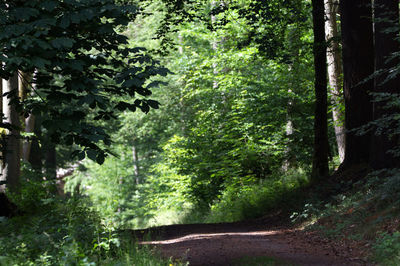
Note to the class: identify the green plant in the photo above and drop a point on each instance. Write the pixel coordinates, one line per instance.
(68, 232)
(255, 199)
(387, 249)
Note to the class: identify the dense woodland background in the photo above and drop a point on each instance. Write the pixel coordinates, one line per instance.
(130, 114)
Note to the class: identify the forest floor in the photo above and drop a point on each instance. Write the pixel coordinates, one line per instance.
(254, 242)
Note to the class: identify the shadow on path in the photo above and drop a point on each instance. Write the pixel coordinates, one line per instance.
(226, 243)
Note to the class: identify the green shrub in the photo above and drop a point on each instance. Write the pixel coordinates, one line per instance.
(387, 249)
(67, 232)
(254, 200)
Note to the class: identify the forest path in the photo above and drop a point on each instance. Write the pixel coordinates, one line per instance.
(231, 243)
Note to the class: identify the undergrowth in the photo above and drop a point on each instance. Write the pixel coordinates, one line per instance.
(56, 231)
(239, 203)
(366, 212)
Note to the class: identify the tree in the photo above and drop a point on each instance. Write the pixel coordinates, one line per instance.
(25, 84)
(386, 24)
(320, 158)
(358, 65)
(11, 150)
(334, 60)
(84, 72)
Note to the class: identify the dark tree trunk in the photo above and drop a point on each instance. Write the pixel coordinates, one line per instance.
(358, 64)
(7, 208)
(386, 17)
(135, 164)
(320, 158)
(35, 156)
(11, 150)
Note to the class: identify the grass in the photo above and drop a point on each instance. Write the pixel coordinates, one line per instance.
(362, 212)
(68, 232)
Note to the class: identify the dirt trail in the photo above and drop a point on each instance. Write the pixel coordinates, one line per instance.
(226, 243)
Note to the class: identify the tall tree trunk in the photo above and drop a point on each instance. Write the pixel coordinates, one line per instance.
(1, 96)
(27, 143)
(386, 23)
(25, 80)
(11, 154)
(358, 64)
(6, 207)
(35, 155)
(135, 164)
(2, 131)
(334, 61)
(214, 45)
(321, 146)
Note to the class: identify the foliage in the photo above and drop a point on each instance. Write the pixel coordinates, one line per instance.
(232, 141)
(223, 125)
(122, 202)
(81, 63)
(112, 190)
(252, 201)
(234, 124)
(387, 249)
(67, 232)
(365, 211)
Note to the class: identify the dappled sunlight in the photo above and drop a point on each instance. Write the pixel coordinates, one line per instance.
(210, 237)
(223, 247)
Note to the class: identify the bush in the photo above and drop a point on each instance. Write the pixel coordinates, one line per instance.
(254, 200)
(67, 232)
(387, 249)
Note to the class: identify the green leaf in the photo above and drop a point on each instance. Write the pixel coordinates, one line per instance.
(65, 21)
(49, 5)
(62, 42)
(91, 154)
(153, 104)
(100, 158)
(145, 108)
(25, 13)
(133, 83)
(156, 84)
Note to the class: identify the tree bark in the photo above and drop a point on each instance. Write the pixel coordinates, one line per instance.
(321, 146)
(386, 17)
(2, 132)
(358, 64)
(11, 153)
(215, 45)
(1, 96)
(35, 155)
(27, 144)
(334, 61)
(25, 80)
(135, 164)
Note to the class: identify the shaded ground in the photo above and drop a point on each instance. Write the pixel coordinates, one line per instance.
(227, 243)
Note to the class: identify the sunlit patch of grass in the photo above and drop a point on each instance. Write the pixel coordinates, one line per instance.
(167, 217)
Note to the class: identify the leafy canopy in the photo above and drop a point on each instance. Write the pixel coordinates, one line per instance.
(83, 66)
